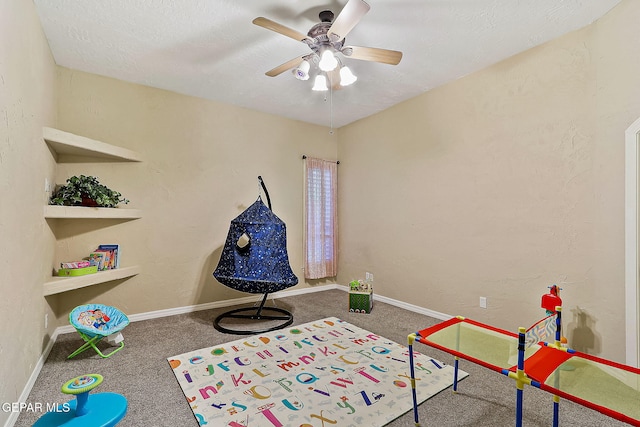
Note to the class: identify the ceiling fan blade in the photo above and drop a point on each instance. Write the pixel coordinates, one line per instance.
(284, 67)
(385, 56)
(350, 15)
(279, 28)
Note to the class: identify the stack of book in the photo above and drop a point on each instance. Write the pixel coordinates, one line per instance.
(105, 257)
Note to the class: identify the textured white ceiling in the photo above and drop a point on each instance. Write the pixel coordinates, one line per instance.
(210, 49)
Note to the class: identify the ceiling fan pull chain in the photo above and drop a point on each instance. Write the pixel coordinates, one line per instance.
(331, 108)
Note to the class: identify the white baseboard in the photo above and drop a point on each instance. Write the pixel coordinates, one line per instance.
(217, 304)
(13, 416)
(207, 306)
(226, 303)
(404, 305)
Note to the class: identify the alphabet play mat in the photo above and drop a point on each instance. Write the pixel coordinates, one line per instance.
(327, 371)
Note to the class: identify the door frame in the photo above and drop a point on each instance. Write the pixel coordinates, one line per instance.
(632, 281)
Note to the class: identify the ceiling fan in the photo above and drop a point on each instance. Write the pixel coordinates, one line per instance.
(325, 39)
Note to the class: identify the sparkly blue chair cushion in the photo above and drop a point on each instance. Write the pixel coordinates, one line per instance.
(262, 266)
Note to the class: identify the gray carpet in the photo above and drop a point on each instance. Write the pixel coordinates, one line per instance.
(141, 373)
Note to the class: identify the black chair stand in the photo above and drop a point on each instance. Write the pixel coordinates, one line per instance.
(254, 313)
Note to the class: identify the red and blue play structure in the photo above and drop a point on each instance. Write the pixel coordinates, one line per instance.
(531, 358)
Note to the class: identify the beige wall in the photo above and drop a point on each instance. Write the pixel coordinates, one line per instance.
(503, 183)
(201, 160)
(27, 102)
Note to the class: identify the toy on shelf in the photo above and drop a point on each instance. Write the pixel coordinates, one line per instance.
(587, 380)
(96, 410)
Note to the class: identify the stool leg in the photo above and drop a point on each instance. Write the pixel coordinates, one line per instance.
(108, 354)
(88, 344)
(81, 405)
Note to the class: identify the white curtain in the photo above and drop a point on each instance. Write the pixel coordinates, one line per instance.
(321, 222)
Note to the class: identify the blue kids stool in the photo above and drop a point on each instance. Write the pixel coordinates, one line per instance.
(97, 410)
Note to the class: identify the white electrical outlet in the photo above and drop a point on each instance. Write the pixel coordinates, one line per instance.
(483, 302)
(46, 320)
(47, 185)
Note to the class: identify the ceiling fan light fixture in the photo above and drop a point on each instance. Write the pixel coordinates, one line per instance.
(328, 61)
(320, 84)
(346, 76)
(302, 71)
(325, 40)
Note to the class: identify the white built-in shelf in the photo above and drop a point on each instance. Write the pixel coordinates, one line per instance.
(68, 144)
(62, 284)
(78, 212)
(68, 147)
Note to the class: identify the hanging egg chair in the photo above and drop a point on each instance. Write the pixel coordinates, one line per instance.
(255, 260)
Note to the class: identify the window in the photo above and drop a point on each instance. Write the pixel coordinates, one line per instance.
(321, 222)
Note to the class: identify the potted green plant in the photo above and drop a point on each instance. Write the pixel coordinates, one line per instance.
(86, 191)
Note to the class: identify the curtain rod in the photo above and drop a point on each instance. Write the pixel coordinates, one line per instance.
(304, 156)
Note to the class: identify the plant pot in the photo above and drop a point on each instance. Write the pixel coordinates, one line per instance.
(89, 202)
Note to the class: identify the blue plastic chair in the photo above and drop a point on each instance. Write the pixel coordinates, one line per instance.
(95, 322)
